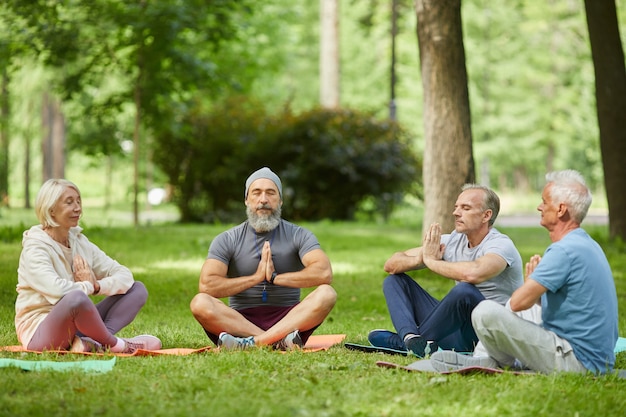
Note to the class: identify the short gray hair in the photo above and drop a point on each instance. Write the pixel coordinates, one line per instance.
(490, 202)
(569, 187)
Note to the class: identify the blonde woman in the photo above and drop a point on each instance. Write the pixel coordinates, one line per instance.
(59, 269)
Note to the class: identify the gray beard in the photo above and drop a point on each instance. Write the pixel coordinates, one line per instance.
(264, 224)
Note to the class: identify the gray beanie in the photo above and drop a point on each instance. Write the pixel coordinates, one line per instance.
(264, 172)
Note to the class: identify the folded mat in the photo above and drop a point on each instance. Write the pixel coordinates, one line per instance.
(314, 344)
(85, 365)
(424, 365)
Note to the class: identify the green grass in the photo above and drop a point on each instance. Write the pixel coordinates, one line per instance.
(339, 382)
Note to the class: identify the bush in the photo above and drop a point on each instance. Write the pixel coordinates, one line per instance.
(330, 161)
(337, 159)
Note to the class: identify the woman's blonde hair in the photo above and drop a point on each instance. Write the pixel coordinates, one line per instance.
(47, 197)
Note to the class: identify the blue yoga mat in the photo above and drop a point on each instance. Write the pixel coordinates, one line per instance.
(620, 346)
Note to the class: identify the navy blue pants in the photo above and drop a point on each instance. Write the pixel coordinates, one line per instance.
(447, 322)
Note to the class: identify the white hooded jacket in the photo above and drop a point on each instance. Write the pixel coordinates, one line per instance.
(44, 276)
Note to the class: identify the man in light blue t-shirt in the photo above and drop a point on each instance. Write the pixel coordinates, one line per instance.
(573, 284)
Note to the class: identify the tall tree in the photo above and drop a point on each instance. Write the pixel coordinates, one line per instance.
(12, 44)
(608, 63)
(150, 54)
(329, 53)
(53, 141)
(4, 137)
(448, 159)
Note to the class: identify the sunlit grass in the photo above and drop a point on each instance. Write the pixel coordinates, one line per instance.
(167, 258)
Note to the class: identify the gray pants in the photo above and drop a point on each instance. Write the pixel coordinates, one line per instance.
(507, 337)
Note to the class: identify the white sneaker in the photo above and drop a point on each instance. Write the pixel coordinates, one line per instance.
(230, 342)
(448, 360)
(290, 342)
(143, 342)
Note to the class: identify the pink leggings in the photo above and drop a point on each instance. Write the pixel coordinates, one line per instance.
(76, 315)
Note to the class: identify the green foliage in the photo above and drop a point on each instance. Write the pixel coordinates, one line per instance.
(116, 55)
(338, 382)
(531, 90)
(529, 67)
(209, 154)
(10, 234)
(338, 158)
(330, 161)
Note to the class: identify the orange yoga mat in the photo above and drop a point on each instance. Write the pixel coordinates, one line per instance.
(314, 344)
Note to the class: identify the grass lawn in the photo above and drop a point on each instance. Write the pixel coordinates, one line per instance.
(339, 382)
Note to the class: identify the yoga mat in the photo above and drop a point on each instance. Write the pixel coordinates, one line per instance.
(374, 349)
(424, 365)
(323, 342)
(86, 365)
(314, 344)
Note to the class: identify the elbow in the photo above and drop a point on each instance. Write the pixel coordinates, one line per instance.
(392, 267)
(515, 305)
(519, 304)
(472, 278)
(327, 277)
(204, 288)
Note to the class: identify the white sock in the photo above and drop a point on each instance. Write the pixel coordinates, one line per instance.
(408, 336)
(120, 346)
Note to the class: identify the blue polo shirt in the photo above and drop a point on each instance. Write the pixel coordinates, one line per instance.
(581, 302)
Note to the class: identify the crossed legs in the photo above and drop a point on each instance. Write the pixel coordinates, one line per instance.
(508, 337)
(447, 322)
(216, 317)
(76, 314)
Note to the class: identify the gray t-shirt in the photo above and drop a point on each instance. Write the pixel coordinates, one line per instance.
(500, 287)
(240, 249)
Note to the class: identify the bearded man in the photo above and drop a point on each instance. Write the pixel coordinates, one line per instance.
(261, 266)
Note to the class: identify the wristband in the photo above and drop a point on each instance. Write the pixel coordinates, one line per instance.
(273, 277)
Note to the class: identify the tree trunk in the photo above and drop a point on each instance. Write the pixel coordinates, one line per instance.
(329, 53)
(27, 152)
(4, 140)
(136, 140)
(448, 160)
(53, 143)
(608, 63)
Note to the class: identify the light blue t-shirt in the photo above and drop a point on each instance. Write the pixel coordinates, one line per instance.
(500, 287)
(581, 302)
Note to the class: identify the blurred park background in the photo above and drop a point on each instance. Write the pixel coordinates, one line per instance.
(159, 110)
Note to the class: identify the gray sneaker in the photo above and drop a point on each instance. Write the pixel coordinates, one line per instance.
(290, 342)
(143, 342)
(230, 342)
(448, 360)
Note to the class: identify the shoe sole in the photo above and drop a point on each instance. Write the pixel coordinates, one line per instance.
(150, 342)
(375, 349)
(448, 360)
